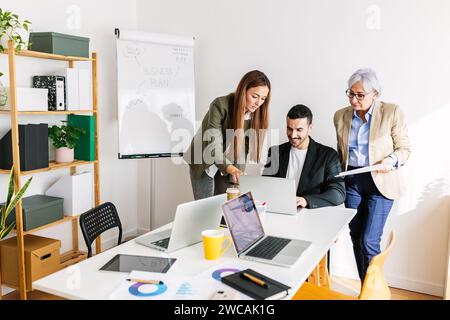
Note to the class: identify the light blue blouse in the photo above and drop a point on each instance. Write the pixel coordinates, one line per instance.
(358, 143)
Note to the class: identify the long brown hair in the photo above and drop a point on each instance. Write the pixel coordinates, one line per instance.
(260, 118)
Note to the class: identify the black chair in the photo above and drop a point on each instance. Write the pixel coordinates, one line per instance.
(96, 221)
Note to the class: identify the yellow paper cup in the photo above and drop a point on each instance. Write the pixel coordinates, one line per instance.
(213, 241)
(232, 193)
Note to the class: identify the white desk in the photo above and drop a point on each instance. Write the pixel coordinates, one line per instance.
(320, 226)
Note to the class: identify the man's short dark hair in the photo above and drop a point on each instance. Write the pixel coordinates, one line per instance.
(300, 111)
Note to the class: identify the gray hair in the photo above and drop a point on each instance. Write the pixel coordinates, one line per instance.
(369, 80)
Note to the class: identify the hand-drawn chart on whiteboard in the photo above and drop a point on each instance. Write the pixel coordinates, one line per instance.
(156, 94)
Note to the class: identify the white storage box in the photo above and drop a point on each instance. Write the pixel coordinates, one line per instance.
(29, 99)
(76, 191)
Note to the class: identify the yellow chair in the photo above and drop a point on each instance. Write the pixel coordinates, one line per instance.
(374, 286)
(320, 276)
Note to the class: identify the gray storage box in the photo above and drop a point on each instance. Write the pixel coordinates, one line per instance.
(39, 210)
(59, 43)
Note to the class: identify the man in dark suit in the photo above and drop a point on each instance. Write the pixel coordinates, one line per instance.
(313, 165)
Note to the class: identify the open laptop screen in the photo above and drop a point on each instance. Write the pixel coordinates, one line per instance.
(243, 221)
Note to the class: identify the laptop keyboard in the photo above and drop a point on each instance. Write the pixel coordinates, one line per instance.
(164, 243)
(268, 248)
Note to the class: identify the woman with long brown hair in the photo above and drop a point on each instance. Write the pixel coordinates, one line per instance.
(232, 129)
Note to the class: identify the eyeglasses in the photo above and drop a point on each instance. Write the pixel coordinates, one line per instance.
(359, 96)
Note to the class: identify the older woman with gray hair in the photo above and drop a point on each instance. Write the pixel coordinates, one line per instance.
(370, 132)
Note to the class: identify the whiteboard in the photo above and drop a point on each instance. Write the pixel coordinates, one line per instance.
(155, 93)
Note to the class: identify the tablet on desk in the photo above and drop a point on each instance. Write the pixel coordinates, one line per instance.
(128, 263)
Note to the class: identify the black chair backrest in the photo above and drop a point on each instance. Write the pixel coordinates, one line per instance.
(97, 220)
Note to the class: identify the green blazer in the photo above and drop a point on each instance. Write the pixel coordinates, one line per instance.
(215, 123)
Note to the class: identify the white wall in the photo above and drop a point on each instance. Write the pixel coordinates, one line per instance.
(119, 182)
(308, 49)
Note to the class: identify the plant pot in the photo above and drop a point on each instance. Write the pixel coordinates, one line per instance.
(3, 95)
(64, 155)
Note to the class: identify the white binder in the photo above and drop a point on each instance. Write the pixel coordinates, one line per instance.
(72, 95)
(84, 87)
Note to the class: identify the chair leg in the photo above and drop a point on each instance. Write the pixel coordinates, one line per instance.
(314, 276)
(320, 276)
(323, 272)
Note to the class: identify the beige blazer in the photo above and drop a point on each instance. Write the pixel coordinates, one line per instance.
(388, 134)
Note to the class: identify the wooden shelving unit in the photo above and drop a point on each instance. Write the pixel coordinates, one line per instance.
(38, 113)
(55, 223)
(44, 55)
(74, 255)
(52, 166)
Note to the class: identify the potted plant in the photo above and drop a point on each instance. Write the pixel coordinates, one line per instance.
(64, 139)
(3, 93)
(11, 28)
(10, 204)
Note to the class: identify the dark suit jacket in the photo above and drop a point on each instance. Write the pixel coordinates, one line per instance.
(318, 184)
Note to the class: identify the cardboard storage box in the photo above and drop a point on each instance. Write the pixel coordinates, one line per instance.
(59, 43)
(41, 259)
(39, 210)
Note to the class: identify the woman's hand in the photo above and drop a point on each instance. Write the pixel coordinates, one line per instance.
(389, 164)
(235, 173)
(301, 202)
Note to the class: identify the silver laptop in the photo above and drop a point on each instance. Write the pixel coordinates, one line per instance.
(191, 219)
(250, 240)
(279, 193)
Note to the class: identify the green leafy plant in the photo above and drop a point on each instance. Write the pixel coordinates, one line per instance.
(3, 93)
(65, 136)
(11, 202)
(11, 26)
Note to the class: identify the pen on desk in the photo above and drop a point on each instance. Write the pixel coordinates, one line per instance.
(254, 279)
(145, 281)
